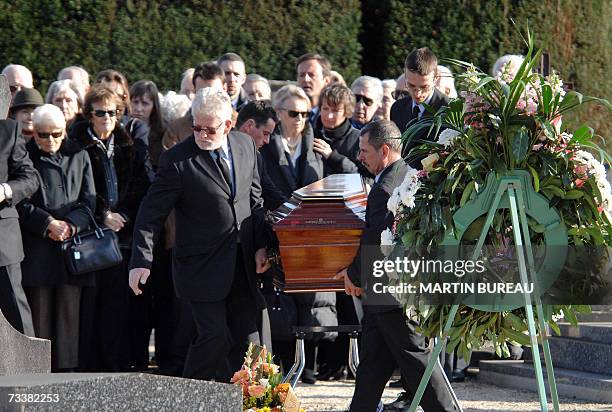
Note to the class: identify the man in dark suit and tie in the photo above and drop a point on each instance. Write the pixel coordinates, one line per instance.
(388, 338)
(18, 180)
(211, 181)
(420, 70)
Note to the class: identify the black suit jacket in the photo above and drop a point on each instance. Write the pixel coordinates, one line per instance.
(272, 197)
(210, 223)
(378, 218)
(15, 169)
(401, 114)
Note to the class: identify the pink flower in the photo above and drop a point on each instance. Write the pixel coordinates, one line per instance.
(579, 182)
(240, 376)
(257, 391)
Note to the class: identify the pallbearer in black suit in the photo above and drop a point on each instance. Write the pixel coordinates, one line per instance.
(420, 70)
(211, 181)
(389, 338)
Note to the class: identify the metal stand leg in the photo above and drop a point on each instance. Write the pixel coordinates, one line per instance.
(448, 384)
(300, 361)
(353, 356)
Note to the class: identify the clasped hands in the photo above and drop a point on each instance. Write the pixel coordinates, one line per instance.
(59, 230)
(349, 287)
(321, 146)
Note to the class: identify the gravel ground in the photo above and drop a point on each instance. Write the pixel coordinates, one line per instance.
(474, 397)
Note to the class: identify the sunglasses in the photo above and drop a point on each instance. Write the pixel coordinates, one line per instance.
(102, 113)
(293, 113)
(366, 100)
(399, 94)
(206, 130)
(55, 135)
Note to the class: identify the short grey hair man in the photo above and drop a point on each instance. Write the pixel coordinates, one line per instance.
(445, 81)
(79, 77)
(368, 93)
(257, 88)
(18, 77)
(209, 101)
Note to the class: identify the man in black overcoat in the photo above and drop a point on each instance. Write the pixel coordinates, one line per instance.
(18, 180)
(211, 181)
(389, 338)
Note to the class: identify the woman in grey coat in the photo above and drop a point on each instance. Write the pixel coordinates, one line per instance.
(53, 214)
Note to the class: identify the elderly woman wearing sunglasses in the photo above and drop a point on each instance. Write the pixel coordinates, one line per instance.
(55, 213)
(121, 182)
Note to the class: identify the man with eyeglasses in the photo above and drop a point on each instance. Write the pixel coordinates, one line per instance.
(368, 93)
(211, 181)
(18, 77)
(420, 69)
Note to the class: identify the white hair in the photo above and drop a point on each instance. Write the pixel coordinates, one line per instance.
(19, 68)
(254, 77)
(369, 82)
(60, 86)
(173, 106)
(187, 76)
(83, 76)
(389, 84)
(210, 101)
(48, 114)
(509, 63)
(445, 81)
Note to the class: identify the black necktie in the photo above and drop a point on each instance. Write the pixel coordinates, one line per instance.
(416, 111)
(225, 172)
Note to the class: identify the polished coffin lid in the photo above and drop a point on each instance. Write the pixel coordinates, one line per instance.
(318, 231)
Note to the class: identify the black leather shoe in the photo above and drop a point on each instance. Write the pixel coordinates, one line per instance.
(402, 403)
(332, 374)
(458, 376)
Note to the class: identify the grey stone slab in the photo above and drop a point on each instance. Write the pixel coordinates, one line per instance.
(598, 314)
(117, 393)
(577, 354)
(570, 383)
(600, 332)
(20, 353)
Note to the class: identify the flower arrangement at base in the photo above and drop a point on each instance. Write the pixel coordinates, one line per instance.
(260, 380)
(501, 125)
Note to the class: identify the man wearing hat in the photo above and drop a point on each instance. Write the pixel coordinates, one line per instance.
(22, 107)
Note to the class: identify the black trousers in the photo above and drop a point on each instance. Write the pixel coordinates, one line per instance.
(389, 338)
(13, 302)
(224, 329)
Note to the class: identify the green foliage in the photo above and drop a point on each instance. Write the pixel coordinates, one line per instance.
(575, 33)
(159, 39)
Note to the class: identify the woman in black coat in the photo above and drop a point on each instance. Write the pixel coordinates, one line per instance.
(336, 140)
(53, 214)
(292, 163)
(121, 182)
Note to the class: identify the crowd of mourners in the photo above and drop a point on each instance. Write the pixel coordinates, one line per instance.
(96, 147)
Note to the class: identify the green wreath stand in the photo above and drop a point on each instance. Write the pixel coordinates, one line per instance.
(513, 191)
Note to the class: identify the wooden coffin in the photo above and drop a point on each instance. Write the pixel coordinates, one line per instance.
(318, 231)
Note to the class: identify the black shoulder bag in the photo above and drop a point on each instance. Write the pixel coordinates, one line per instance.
(93, 250)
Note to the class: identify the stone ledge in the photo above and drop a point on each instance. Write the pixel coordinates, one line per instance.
(120, 392)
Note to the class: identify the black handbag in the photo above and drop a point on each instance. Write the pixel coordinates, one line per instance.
(94, 250)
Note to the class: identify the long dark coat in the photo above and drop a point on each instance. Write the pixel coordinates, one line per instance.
(66, 185)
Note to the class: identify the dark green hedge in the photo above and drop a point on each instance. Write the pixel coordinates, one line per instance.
(159, 39)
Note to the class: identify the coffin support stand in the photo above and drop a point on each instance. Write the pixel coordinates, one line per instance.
(300, 359)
